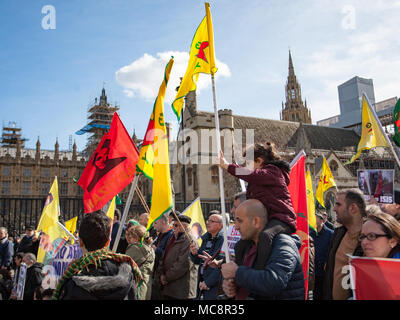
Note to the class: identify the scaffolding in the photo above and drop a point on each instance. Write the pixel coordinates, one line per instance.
(99, 120)
(11, 136)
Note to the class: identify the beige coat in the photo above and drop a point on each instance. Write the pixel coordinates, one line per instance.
(144, 257)
(179, 270)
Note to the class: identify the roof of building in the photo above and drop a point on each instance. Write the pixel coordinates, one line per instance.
(326, 138)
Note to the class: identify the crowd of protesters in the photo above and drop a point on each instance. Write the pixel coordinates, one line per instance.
(168, 263)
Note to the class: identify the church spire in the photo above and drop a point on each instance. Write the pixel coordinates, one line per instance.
(294, 110)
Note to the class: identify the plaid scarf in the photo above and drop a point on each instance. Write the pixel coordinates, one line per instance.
(95, 257)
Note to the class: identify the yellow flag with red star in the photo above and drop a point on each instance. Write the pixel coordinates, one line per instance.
(326, 181)
(201, 60)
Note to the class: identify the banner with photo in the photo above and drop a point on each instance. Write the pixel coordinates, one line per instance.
(377, 183)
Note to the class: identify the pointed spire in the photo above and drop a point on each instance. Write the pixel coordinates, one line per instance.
(291, 69)
(74, 153)
(56, 151)
(37, 155)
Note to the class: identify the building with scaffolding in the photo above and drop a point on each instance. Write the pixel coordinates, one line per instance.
(98, 122)
(11, 136)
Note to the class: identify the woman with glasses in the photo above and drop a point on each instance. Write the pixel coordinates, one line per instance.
(380, 236)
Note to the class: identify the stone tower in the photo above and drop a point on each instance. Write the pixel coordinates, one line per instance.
(294, 109)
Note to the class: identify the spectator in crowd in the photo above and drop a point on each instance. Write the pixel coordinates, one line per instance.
(393, 209)
(209, 279)
(16, 242)
(30, 242)
(143, 255)
(178, 273)
(380, 236)
(350, 208)
(268, 179)
(6, 249)
(122, 244)
(237, 200)
(162, 226)
(322, 238)
(144, 220)
(253, 275)
(34, 275)
(99, 274)
(6, 284)
(327, 223)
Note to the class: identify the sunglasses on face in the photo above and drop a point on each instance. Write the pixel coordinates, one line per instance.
(371, 236)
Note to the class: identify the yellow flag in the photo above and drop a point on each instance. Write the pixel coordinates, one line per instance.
(161, 198)
(312, 222)
(326, 181)
(201, 60)
(71, 224)
(111, 210)
(53, 236)
(371, 133)
(197, 225)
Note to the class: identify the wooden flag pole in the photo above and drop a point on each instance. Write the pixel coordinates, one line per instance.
(221, 179)
(126, 209)
(142, 199)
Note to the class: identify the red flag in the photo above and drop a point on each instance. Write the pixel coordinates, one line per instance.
(298, 193)
(375, 279)
(110, 169)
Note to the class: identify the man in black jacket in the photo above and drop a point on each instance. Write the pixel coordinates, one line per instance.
(99, 274)
(34, 275)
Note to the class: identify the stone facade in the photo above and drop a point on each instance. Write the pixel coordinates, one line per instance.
(29, 173)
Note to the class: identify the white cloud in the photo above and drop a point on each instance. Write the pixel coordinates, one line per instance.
(369, 51)
(143, 77)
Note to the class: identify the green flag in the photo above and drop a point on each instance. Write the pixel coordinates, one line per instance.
(396, 122)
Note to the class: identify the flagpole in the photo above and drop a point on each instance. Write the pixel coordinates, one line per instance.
(221, 180)
(125, 214)
(383, 132)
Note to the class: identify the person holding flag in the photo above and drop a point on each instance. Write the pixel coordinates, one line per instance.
(268, 179)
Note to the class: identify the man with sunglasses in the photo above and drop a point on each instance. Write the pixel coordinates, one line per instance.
(209, 278)
(350, 208)
(178, 275)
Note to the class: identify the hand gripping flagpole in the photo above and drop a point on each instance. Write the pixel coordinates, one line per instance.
(126, 209)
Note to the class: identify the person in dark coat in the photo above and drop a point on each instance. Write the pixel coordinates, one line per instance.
(268, 180)
(209, 278)
(100, 274)
(164, 233)
(6, 249)
(322, 239)
(253, 275)
(30, 242)
(34, 276)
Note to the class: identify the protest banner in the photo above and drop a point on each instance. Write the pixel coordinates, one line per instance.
(21, 281)
(377, 183)
(375, 278)
(56, 267)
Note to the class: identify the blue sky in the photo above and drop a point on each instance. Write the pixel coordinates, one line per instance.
(48, 78)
